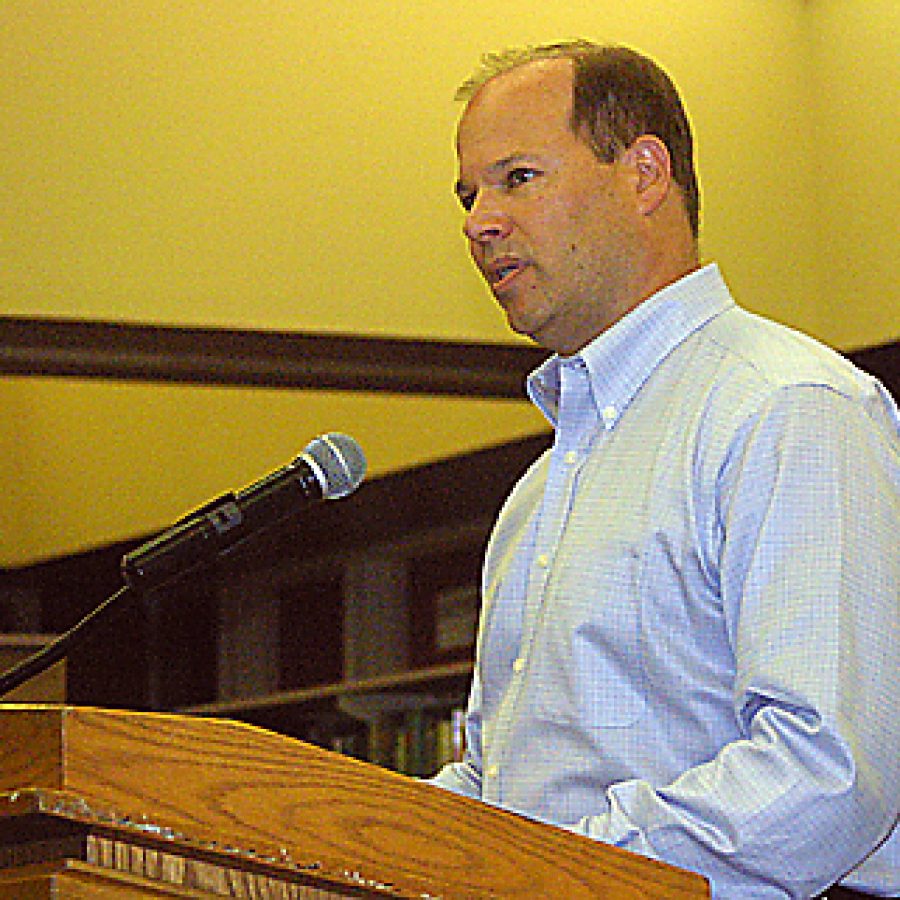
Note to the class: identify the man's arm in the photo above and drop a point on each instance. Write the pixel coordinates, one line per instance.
(465, 777)
(808, 505)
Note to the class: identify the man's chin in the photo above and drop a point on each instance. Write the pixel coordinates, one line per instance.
(532, 332)
(521, 327)
(528, 319)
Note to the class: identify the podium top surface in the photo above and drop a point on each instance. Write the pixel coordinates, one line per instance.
(221, 784)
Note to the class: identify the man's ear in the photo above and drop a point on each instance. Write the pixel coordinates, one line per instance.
(652, 165)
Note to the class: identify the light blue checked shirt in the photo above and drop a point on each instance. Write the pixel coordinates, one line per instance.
(688, 645)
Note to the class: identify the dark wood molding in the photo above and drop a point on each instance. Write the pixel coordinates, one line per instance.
(295, 360)
(882, 361)
(272, 359)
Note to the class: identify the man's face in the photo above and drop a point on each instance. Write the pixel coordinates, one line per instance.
(552, 229)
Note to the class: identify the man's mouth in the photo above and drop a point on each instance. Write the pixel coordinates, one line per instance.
(501, 274)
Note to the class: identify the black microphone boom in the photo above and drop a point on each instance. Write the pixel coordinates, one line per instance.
(330, 467)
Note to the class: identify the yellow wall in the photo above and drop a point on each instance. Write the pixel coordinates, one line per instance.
(288, 165)
(106, 460)
(853, 69)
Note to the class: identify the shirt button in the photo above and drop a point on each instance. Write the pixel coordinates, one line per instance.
(492, 771)
(543, 560)
(571, 458)
(519, 664)
(609, 414)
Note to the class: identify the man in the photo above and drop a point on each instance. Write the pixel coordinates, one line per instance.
(688, 643)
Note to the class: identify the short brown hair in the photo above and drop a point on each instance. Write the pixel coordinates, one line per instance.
(617, 95)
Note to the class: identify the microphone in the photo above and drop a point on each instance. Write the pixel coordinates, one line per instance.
(330, 467)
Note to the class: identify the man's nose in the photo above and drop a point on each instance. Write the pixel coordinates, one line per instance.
(486, 222)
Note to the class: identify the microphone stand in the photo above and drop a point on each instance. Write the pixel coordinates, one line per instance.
(59, 647)
(149, 566)
(331, 466)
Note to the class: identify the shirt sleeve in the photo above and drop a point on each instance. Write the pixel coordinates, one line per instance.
(465, 777)
(808, 509)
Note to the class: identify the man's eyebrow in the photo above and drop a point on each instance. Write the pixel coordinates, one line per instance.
(511, 160)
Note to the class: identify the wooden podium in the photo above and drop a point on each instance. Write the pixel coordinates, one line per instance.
(109, 804)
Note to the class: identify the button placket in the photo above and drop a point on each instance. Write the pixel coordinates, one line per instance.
(576, 428)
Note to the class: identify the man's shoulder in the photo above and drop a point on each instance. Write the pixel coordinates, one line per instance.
(764, 357)
(745, 369)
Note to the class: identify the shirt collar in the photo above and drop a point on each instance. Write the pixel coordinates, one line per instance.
(621, 359)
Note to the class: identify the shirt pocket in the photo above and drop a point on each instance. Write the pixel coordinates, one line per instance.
(591, 646)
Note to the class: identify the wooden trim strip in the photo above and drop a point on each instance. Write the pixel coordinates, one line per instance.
(295, 360)
(882, 361)
(219, 356)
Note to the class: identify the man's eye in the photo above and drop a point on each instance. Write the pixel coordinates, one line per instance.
(518, 176)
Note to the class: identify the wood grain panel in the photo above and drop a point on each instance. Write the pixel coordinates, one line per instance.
(279, 799)
(30, 748)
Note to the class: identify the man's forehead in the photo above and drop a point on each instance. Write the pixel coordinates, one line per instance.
(542, 79)
(528, 101)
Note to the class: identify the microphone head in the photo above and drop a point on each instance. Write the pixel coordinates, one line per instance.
(338, 462)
